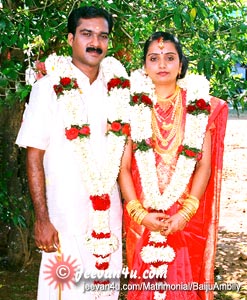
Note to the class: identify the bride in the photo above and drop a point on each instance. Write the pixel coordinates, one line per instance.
(170, 175)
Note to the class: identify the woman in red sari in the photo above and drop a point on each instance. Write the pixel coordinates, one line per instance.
(170, 176)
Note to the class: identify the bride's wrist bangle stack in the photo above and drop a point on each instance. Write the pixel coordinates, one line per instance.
(136, 211)
(190, 206)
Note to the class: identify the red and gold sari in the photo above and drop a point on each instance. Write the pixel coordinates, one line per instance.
(195, 246)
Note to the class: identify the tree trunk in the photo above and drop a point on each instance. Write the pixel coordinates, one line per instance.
(17, 210)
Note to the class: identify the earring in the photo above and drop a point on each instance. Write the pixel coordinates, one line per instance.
(144, 71)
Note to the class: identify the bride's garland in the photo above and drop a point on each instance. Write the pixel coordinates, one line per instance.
(99, 181)
(157, 252)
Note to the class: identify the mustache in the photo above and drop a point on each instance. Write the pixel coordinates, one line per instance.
(93, 49)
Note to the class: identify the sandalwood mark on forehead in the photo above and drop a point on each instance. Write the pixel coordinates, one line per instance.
(161, 43)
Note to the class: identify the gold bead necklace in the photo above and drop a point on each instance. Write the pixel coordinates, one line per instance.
(173, 125)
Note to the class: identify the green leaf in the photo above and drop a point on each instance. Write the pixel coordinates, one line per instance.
(193, 13)
(200, 66)
(207, 67)
(216, 23)
(2, 25)
(194, 22)
(177, 20)
(136, 36)
(3, 82)
(186, 17)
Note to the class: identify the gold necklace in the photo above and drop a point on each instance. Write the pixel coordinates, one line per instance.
(169, 99)
(174, 136)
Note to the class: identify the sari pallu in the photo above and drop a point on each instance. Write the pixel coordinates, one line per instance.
(195, 246)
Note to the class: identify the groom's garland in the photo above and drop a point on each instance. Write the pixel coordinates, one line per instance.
(99, 182)
(157, 252)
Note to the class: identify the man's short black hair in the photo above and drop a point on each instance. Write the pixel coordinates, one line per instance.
(88, 12)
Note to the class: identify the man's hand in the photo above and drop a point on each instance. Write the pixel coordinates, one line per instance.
(46, 236)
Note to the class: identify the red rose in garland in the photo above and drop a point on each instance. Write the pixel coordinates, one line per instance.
(180, 149)
(65, 84)
(71, 133)
(198, 106)
(75, 86)
(58, 89)
(126, 129)
(190, 153)
(201, 103)
(135, 99)
(191, 108)
(114, 82)
(126, 84)
(102, 266)
(118, 82)
(101, 202)
(146, 100)
(116, 126)
(139, 99)
(85, 130)
(65, 81)
(208, 108)
(101, 235)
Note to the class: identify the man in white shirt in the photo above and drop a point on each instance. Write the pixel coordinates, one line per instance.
(63, 176)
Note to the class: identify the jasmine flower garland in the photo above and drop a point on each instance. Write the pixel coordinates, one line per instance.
(141, 130)
(157, 252)
(99, 181)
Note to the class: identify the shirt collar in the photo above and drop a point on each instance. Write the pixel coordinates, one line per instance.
(82, 78)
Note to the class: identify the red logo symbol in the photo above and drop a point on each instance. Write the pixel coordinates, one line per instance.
(61, 272)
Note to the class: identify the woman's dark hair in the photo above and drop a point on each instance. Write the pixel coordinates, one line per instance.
(88, 12)
(166, 36)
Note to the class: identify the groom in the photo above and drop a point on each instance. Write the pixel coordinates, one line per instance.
(75, 90)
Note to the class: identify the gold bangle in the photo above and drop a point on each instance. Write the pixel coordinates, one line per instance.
(132, 205)
(184, 215)
(136, 211)
(190, 206)
(193, 198)
(141, 216)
